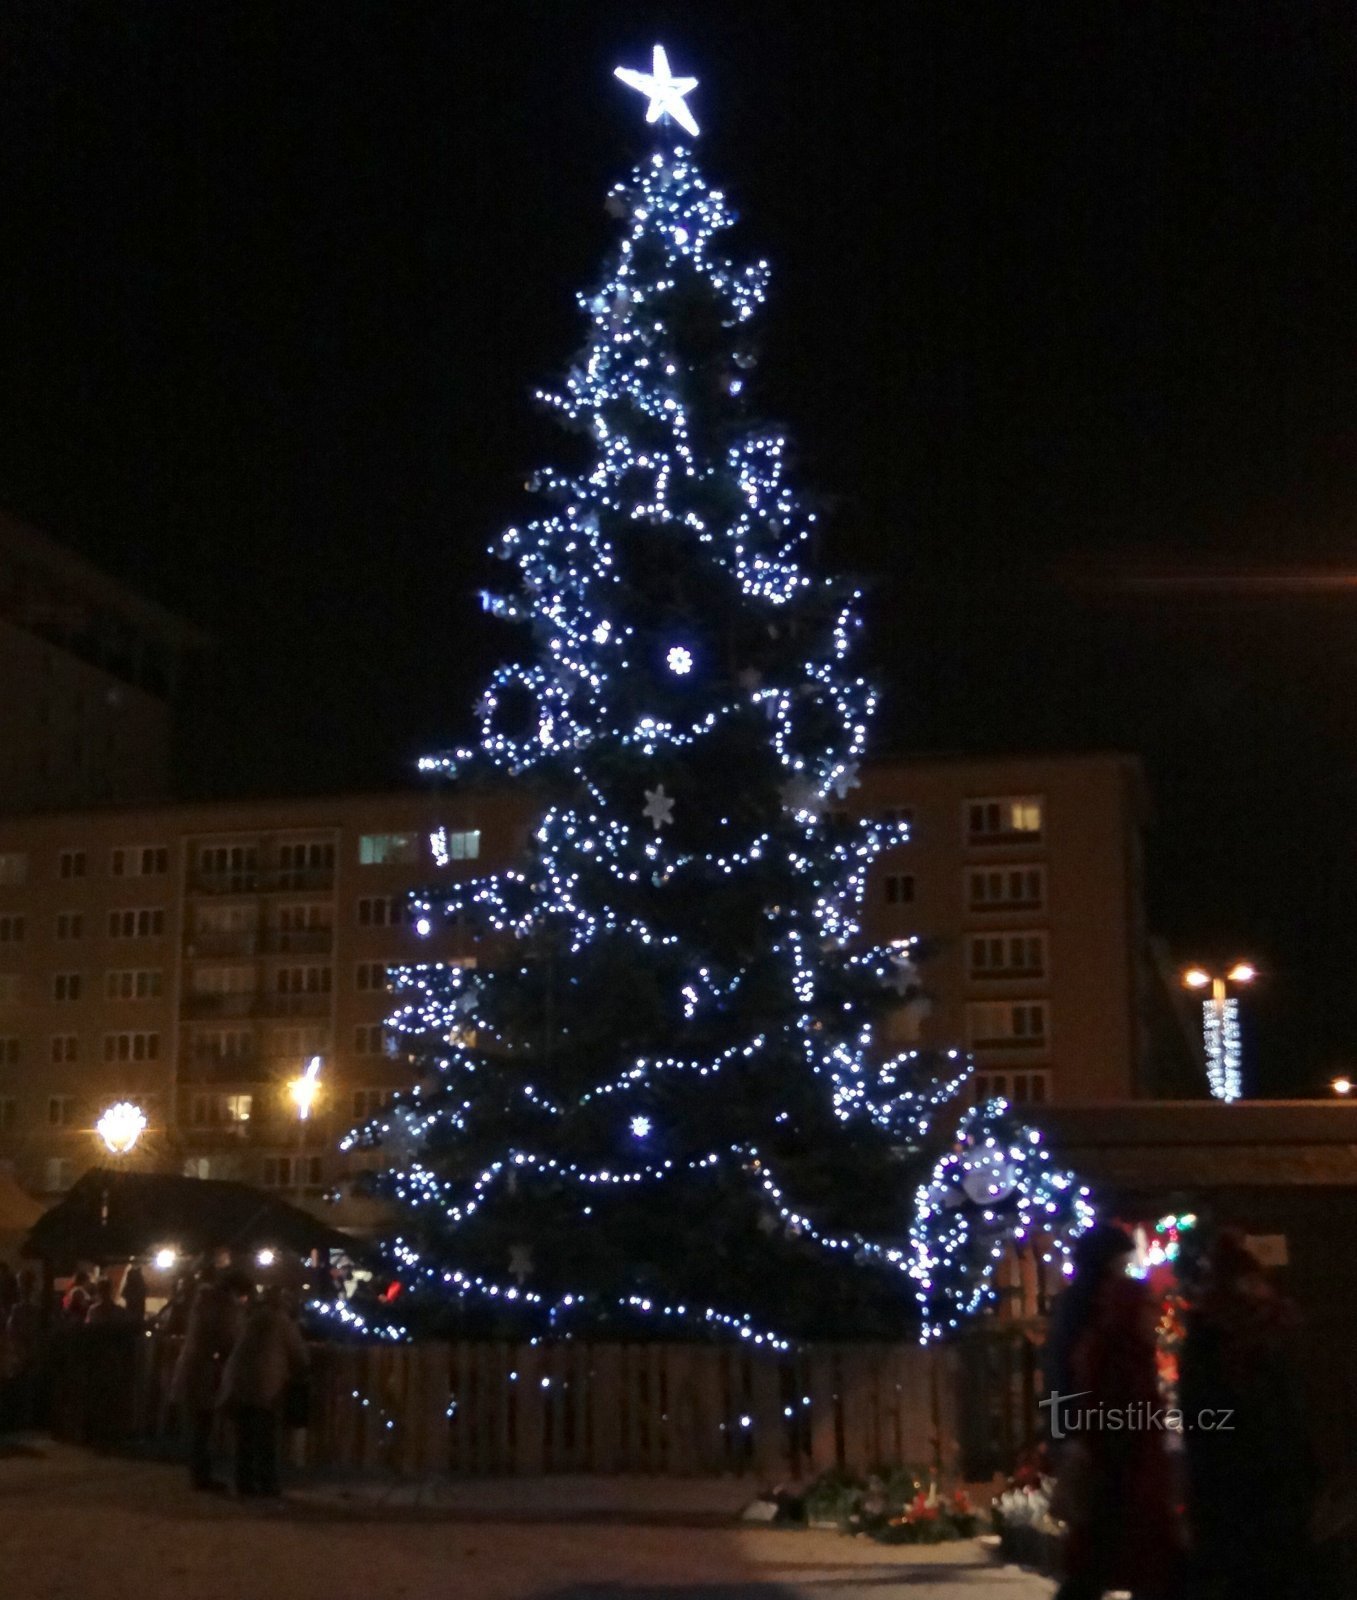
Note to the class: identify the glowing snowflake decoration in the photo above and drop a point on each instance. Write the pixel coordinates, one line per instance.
(679, 661)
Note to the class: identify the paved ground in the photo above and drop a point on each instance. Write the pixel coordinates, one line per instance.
(74, 1526)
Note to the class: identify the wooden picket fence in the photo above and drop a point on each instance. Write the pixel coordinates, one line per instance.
(462, 1409)
(678, 1410)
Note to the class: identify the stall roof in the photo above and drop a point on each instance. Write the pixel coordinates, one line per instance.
(120, 1216)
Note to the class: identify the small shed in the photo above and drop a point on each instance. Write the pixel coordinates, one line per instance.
(112, 1216)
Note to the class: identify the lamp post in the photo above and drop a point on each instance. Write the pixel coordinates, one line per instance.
(1220, 1025)
(304, 1091)
(120, 1127)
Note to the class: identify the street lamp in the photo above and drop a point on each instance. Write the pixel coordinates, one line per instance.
(1341, 1085)
(120, 1127)
(1220, 1025)
(304, 1091)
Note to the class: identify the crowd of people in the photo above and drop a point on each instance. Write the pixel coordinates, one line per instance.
(241, 1367)
(1209, 1496)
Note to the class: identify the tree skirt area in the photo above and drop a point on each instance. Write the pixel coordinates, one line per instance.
(86, 1527)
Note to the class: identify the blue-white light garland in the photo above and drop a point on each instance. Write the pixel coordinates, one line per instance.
(618, 710)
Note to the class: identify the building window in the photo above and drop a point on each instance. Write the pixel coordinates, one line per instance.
(71, 864)
(13, 866)
(228, 920)
(147, 922)
(385, 849)
(304, 980)
(369, 1102)
(223, 980)
(1017, 1023)
(306, 918)
(61, 1111)
(1007, 955)
(372, 975)
(65, 1048)
(9, 1112)
(381, 911)
(131, 1047)
(58, 1174)
(1006, 888)
(66, 986)
(231, 867)
(899, 887)
(140, 861)
(11, 930)
(70, 924)
(289, 1172)
(305, 863)
(221, 1110)
(369, 1039)
(463, 844)
(1008, 819)
(9, 1050)
(1022, 1088)
(133, 983)
(298, 1045)
(223, 1044)
(9, 988)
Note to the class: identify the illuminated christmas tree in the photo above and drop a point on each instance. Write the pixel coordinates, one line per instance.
(659, 1096)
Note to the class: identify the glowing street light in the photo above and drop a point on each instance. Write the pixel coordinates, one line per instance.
(1341, 1085)
(1220, 1025)
(120, 1127)
(305, 1089)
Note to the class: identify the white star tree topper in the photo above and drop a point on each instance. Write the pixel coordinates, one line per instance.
(666, 92)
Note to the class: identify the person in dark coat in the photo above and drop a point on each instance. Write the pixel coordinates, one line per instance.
(1114, 1487)
(268, 1356)
(213, 1327)
(24, 1349)
(134, 1294)
(1250, 1474)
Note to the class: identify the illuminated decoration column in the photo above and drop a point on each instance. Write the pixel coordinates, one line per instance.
(1220, 1027)
(665, 1082)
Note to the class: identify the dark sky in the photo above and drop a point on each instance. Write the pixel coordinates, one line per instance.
(1059, 289)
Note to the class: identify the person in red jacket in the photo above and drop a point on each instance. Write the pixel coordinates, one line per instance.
(1115, 1486)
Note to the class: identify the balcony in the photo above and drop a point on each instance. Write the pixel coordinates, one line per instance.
(197, 1007)
(297, 941)
(222, 944)
(263, 880)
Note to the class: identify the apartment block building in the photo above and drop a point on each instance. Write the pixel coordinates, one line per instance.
(194, 958)
(89, 670)
(1022, 881)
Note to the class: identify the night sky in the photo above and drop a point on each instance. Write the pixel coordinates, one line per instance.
(1064, 295)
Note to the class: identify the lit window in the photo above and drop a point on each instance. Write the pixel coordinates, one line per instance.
(383, 849)
(464, 844)
(1010, 818)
